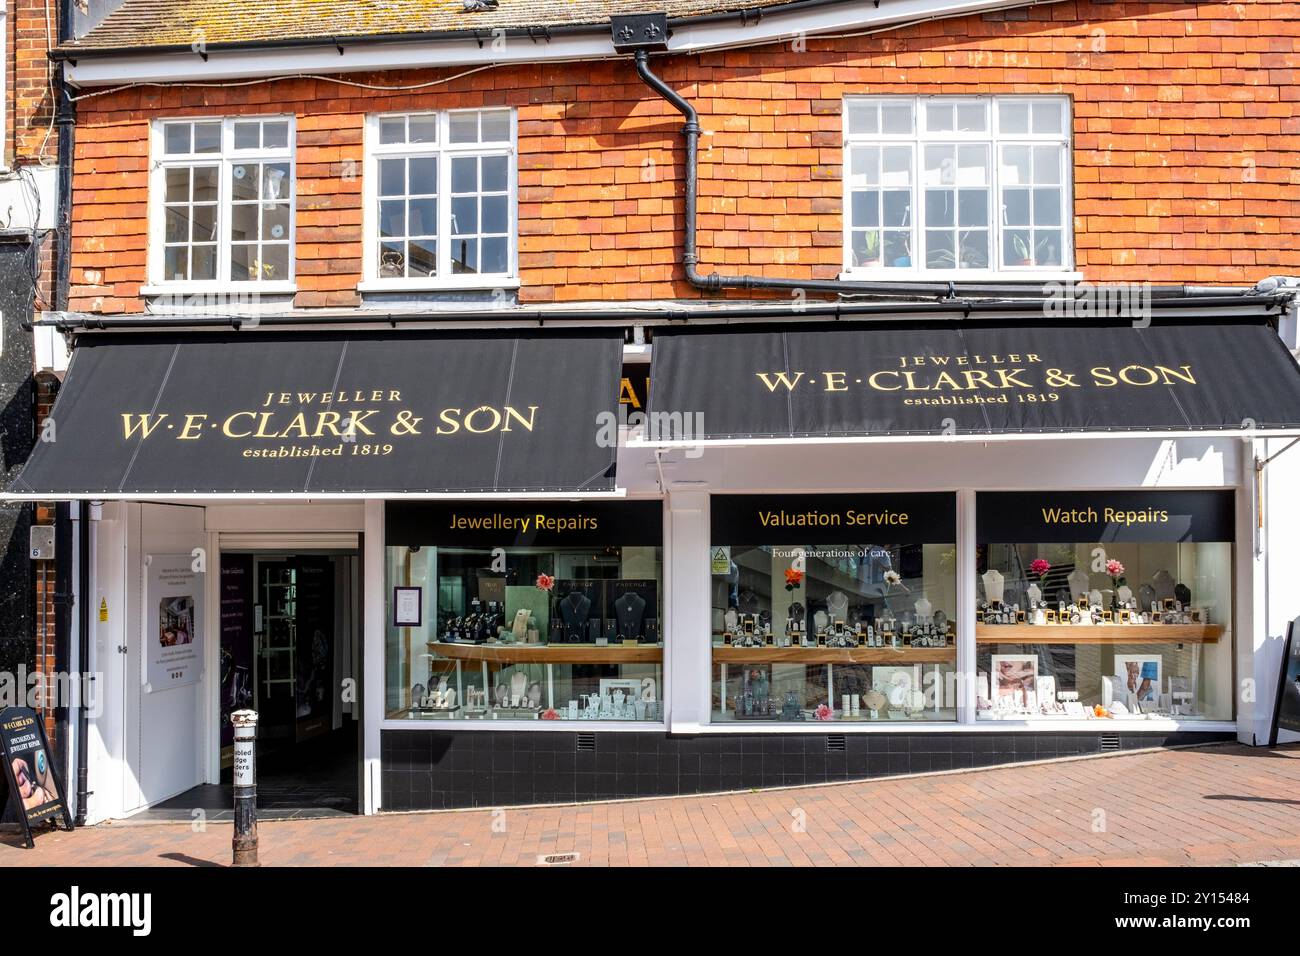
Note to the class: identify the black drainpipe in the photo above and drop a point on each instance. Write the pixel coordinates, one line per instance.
(716, 283)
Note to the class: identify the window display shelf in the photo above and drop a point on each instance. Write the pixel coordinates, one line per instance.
(834, 655)
(550, 653)
(1098, 633)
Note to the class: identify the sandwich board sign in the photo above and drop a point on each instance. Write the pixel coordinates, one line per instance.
(36, 793)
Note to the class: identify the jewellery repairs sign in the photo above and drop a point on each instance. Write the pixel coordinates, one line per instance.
(833, 379)
(36, 793)
(173, 622)
(1286, 714)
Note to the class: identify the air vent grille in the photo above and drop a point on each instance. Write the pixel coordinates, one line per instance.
(836, 744)
(586, 743)
(1109, 742)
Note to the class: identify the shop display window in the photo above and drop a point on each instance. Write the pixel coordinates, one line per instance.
(553, 622)
(1105, 606)
(833, 608)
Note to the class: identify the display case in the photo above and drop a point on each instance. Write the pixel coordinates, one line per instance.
(527, 613)
(833, 607)
(1104, 605)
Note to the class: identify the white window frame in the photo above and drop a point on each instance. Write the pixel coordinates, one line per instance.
(918, 139)
(160, 162)
(445, 150)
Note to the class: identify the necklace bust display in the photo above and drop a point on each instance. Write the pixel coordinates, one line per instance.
(994, 584)
(837, 605)
(1078, 580)
(629, 611)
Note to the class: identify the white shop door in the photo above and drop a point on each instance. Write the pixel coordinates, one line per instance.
(164, 732)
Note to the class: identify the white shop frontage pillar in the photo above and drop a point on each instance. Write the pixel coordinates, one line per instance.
(687, 650)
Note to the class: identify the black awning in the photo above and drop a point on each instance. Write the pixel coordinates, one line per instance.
(377, 414)
(841, 380)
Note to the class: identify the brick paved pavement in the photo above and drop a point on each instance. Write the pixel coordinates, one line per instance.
(1225, 804)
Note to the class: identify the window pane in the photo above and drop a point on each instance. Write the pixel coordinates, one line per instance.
(973, 207)
(1047, 165)
(207, 138)
(496, 126)
(494, 255)
(896, 118)
(1047, 247)
(177, 226)
(938, 249)
(423, 129)
(423, 257)
(1015, 207)
(205, 183)
(972, 165)
(940, 165)
(243, 179)
(203, 263)
(423, 174)
(275, 262)
(247, 135)
(464, 255)
(939, 209)
(863, 117)
(177, 185)
(204, 222)
(243, 222)
(392, 177)
(865, 208)
(275, 181)
(1047, 207)
(176, 263)
(1017, 249)
(392, 218)
(1047, 117)
(973, 249)
(866, 248)
(898, 251)
(496, 174)
(423, 217)
(496, 214)
(275, 220)
(898, 207)
(392, 260)
(464, 174)
(1013, 117)
(241, 259)
(176, 138)
(1015, 170)
(464, 215)
(392, 129)
(939, 117)
(972, 117)
(462, 127)
(864, 166)
(275, 135)
(896, 166)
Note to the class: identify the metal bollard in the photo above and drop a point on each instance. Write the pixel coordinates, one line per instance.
(244, 842)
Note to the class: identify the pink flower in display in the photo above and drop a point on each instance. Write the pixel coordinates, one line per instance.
(545, 582)
(550, 714)
(1114, 568)
(1040, 567)
(823, 712)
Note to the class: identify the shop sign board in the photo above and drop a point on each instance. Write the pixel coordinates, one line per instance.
(1286, 713)
(36, 793)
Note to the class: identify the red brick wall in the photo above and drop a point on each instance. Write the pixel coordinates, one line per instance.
(30, 101)
(1186, 154)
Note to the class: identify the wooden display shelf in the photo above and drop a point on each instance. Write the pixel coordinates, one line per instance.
(1098, 633)
(834, 655)
(550, 653)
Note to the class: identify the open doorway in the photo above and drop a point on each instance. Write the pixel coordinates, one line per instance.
(290, 649)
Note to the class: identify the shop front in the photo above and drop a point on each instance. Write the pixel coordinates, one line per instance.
(865, 550)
